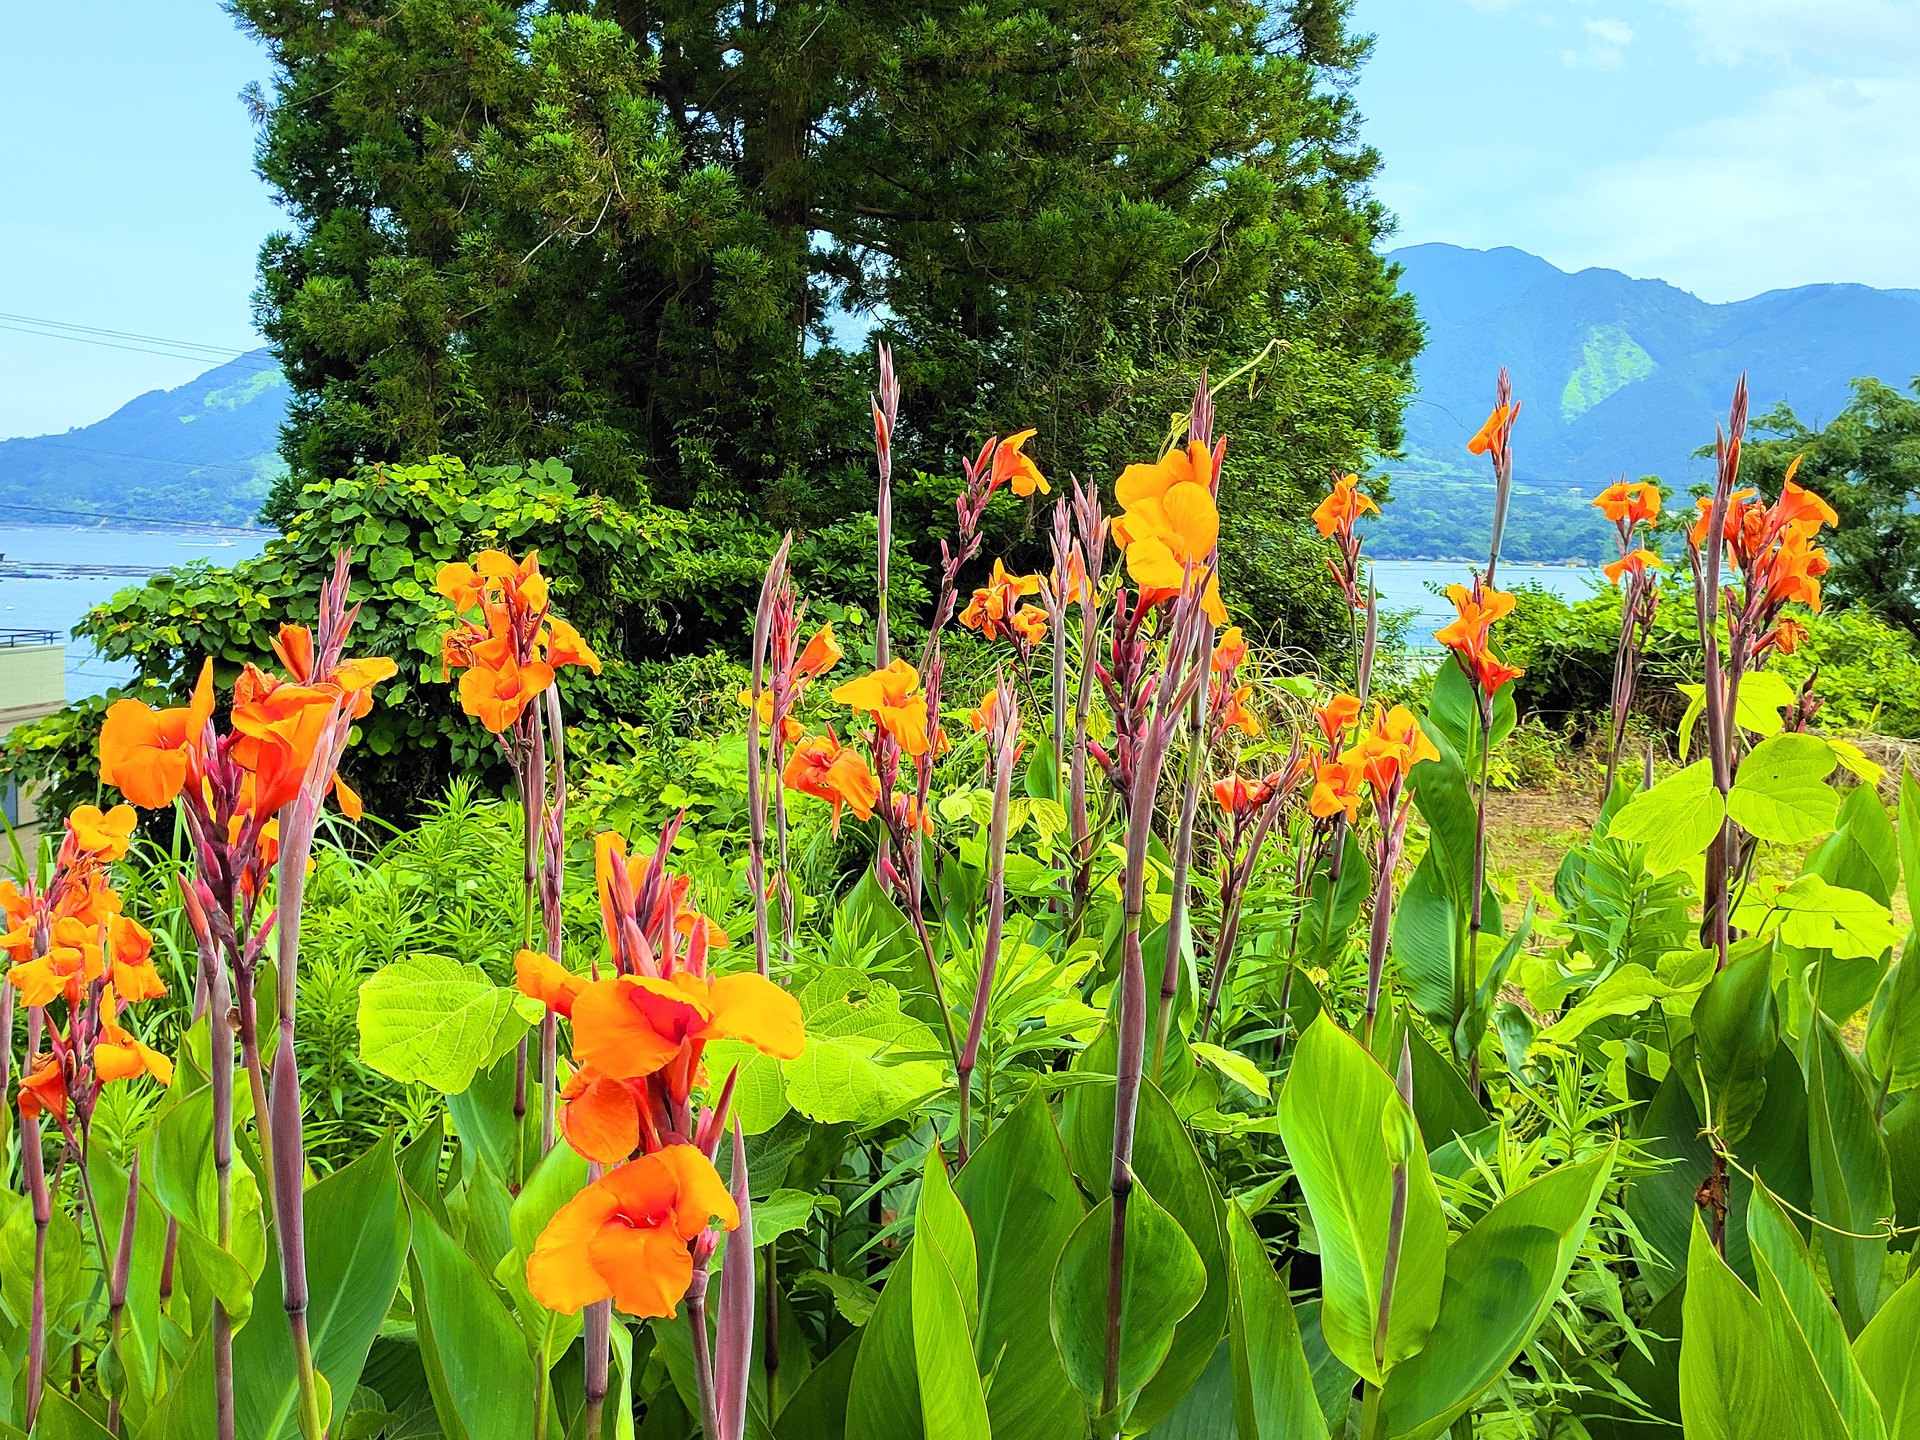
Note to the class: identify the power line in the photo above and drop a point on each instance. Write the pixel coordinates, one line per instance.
(140, 344)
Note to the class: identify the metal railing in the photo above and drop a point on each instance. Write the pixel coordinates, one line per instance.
(9, 639)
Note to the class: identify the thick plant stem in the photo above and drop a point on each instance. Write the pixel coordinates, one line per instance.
(1476, 901)
(1396, 1218)
(1183, 853)
(756, 784)
(289, 1146)
(246, 1012)
(220, 1050)
(596, 1331)
(1078, 820)
(703, 1354)
(1006, 732)
(33, 1166)
(120, 1275)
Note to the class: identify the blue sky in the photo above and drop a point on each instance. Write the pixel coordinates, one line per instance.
(1727, 146)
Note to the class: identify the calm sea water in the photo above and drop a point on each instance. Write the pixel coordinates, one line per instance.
(1408, 585)
(57, 604)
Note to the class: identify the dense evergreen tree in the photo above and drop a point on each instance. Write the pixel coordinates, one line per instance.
(1866, 463)
(628, 232)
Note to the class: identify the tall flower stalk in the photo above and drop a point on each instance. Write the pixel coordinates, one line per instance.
(509, 645)
(1003, 750)
(1633, 510)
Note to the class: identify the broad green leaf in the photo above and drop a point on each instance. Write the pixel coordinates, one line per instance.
(1627, 991)
(1021, 1199)
(356, 1229)
(1818, 916)
(1728, 1381)
(1428, 930)
(945, 1302)
(759, 1090)
(1502, 1277)
(432, 1021)
(61, 1419)
(1331, 1111)
(477, 1364)
(1862, 853)
(482, 1116)
(883, 1395)
(1763, 695)
(1781, 792)
(1856, 763)
(1236, 1067)
(179, 1166)
(140, 1342)
(1166, 1162)
(866, 1060)
(1889, 1359)
(1273, 1385)
(1735, 1032)
(1162, 1280)
(1332, 906)
(1809, 1341)
(1852, 1182)
(818, 1409)
(1893, 1029)
(1909, 832)
(1675, 820)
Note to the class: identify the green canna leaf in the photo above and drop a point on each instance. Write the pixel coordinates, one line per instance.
(945, 1306)
(1852, 1181)
(1502, 1277)
(1273, 1384)
(1163, 1279)
(1889, 1359)
(1023, 1204)
(1735, 1034)
(1781, 793)
(1330, 1119)
(1675, 820)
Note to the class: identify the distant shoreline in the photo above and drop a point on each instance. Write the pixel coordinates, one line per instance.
(154, 527)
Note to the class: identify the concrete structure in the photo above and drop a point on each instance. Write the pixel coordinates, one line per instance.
(33, 683)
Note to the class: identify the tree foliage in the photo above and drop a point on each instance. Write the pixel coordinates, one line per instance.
(630, 234)
(1866, 463)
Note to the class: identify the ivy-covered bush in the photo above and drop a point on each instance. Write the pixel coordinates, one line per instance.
(624, 573)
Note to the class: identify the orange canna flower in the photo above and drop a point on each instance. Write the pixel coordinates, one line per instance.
(1796, 570)
(633, 1026)
(103, 836)
(1230, 652)
(601, 1118)
(1028, 624)
(1469, 636)
(1392, 746)
(294, 646)
(991, 611)
(565, 647)
(1337, 716)
(144, 752)
(1237, 796)
(1336, 789)
(520, 579)
(824, 768)
(1169, 521)
(134, 977)
(1496, 436)
(496, 695)
(1787, 636)
(540, 977)
(1342, 509)
(122, 1055)
(625, 1236)
(1630, 504)
(1634, 562)
(790, 728)
(982, 718)
(822, 653)
(72, 961)
(1016, 470)
(1234, 713)
(43, 1090)
(892, 697)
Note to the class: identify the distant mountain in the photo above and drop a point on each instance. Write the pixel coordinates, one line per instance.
(203, 451)
(1616, 376)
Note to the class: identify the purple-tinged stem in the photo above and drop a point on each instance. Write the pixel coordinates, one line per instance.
(33, 1165)
(1183, 845)
(117, 1284)
(1390, 1269)
(886, 414)
(703, 1354)
(596, 1331)
(289, 1147)
(756, 785)
(1006, 736)
(733, 1365)
(1393, 829)
(220, 1054)
(1234, 902)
